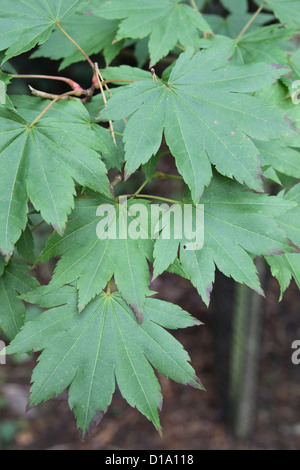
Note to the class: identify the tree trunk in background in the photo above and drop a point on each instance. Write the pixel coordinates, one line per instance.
(238, 348)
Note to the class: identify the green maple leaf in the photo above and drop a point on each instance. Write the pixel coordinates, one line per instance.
(91, 32)
(13, 281)
(287, 11)
(26, 23)
(40, 162)
(262, 45)
(284, 159)
(125, 72)
(294, 61)
(237, 226)
(94, 258)
(89, 352)
(278, 95)
(206, 117)
(286, 266)
(165, 21)
(25, 246)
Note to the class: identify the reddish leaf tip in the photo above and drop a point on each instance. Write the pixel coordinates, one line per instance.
(98, 416)
(137, 312)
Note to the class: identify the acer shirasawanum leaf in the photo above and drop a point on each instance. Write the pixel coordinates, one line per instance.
(238, 225)
(165, 21)
(91, 32)
(26, 23)
(89, 352)
(40, 162)
(286, 266)
(206, 116)
(88, 254)
(14, 280)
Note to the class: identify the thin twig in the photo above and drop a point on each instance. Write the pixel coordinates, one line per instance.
(114, 183)
(181, 48)
(194, 5)
(69, 81)
(108, 289)
(163, 176)
(76, 45)
(149, 196)
(51, 96)
(37, 226)
(99, 79)
(140, 188)
(251, 21)
(44, 95)
(154, 77)
(117, 133)
(60, 97)
(89, 95)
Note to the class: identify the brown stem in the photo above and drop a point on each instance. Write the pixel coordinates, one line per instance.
(251, 21)
(69, 81)
(43, 94)
(76, 45)
(114, 183)
(194, 5)
(37, 226)
(69, 93)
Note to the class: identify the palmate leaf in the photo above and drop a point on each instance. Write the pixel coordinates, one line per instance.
(14, 280)
(26, 23)
(206, 117)
(94, 258)
(91, 32)
(125, 72)
(165, 21)
(238, 225)
(286, 266)
(89, 352)
(263, 45)
(41, 162)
